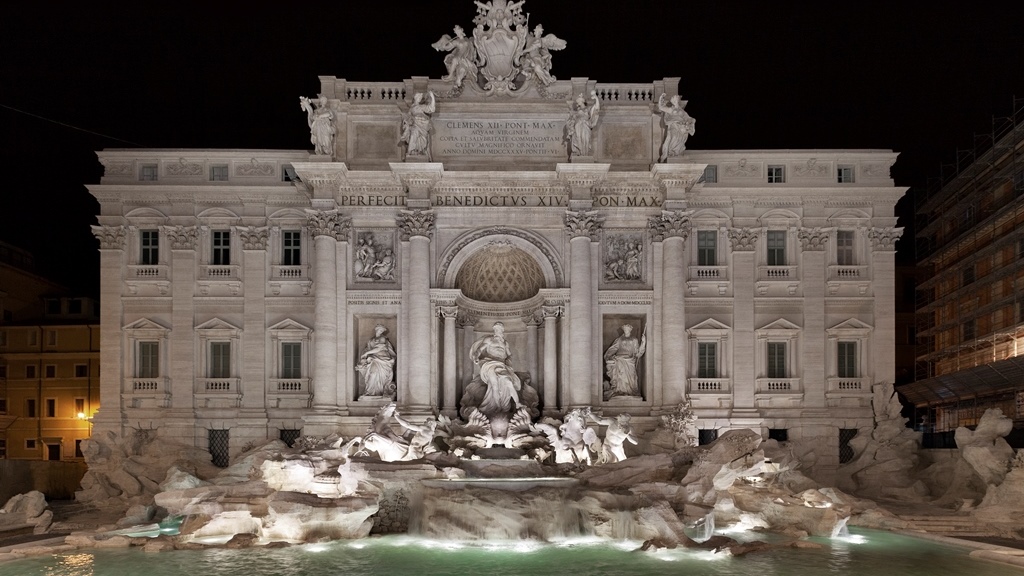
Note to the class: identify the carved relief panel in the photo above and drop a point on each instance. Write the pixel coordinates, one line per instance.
(374, 258)
(624, 259)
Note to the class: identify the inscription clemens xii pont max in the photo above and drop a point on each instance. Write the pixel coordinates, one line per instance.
(491, 138)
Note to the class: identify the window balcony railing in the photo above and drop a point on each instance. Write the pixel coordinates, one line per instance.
(147, 272)
(290, 393)
(218, 392)
(147, 385)
(215, 272)
(778, 386)
(290, 385)
(709, 273)
(776, 273)
(710, 385)
(217, 385)
(287, 272)
(146, 393)
(847, 273)
(838, 385)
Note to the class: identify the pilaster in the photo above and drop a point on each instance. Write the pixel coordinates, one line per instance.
(744, 271)
(181, 422)
(883, 282)
(112, 267)
(254, 315)
(813, 341)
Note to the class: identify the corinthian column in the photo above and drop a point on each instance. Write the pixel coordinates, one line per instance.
(582, 227)
(883, 284)
(671, 229)
(551, 314)
(326, 228)
(416, 227)
(449, 314)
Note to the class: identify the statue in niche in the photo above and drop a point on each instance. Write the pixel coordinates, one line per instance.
(321, 124)
(461, 60)
(618, 432)
(494, 357)
(678, 127)
(497, 389)
(624, 259)
(581, 122)
(416, 125)
(621, 360)
(536, 59)
(377, 365)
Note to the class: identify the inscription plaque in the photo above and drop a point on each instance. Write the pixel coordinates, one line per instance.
(490, 138)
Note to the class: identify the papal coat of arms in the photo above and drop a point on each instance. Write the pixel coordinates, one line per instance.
(502, 56)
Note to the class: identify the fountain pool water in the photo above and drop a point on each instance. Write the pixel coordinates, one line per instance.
(866, 552)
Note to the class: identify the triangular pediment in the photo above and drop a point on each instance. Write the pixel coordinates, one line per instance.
(145, 324)
(289, 324)
(851, 324)
(780, 324)
(709, 324)
(216, 324)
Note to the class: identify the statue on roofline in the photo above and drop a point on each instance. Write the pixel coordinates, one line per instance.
(321, 124)
(461, 58)
(678, 127)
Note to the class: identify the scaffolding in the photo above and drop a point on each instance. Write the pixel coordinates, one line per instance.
(970, 248)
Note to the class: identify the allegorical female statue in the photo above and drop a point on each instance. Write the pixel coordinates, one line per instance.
(620, 361)
(377, 365)
(678, 127)
(416, 124)
(581, 122)
(321, 124)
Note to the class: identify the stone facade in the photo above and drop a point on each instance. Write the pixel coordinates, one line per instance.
(273, 269)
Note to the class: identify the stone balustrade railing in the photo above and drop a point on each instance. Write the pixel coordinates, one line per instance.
(634, 93)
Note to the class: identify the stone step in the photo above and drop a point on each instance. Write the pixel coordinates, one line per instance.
(950, 525)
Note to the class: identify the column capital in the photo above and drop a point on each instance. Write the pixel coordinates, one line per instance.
(551, 312)
(328, 223)
(532, 320)
(415, 223)
(583, 223)
(110, 237)
(253, 237)
(448, 312)
(743, 239)
(670, 224)
(465, 318)
(884, 239)
(813, 239)
(181, 237)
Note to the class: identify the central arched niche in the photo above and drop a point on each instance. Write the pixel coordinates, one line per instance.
(500, 272)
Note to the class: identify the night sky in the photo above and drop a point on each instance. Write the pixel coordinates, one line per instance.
(921, 81)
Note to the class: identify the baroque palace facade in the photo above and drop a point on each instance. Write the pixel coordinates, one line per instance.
(255, 293)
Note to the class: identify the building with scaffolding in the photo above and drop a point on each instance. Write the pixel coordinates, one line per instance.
(970, 248)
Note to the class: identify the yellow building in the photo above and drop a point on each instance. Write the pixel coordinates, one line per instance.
(49, 364)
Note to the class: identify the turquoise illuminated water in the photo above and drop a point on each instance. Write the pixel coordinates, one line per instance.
(865, 553)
